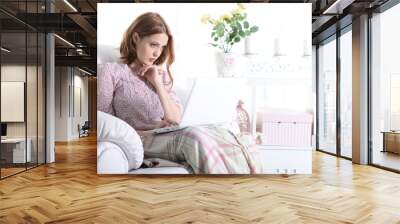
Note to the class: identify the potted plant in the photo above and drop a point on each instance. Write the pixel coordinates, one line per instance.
(227, 31)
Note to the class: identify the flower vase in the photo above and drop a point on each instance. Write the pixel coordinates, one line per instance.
(227, 64)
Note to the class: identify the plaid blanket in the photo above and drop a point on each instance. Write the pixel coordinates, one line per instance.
(208, 149)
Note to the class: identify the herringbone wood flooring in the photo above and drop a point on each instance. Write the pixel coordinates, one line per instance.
(10, 171)
(70, 191)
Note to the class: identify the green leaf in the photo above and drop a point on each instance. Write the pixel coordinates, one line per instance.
(212, 34)
(234, 29)
(242, 34)
(237, 39)
(238, 25)
(231, 36)
(215, 38)
(220, 31)
(254, 29)
(235, 32)
(246, 24)
(247, 32)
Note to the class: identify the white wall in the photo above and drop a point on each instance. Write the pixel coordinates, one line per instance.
(81, 83)
(17, 73)
(34, 124)
(61, 103)
(10, 110)
(67, 80)
(14, 73)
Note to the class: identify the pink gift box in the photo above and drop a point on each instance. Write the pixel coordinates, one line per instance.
(286, 128)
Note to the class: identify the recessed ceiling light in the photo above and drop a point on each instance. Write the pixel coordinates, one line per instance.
(86, 72)
(64, 40)
(337, 7)
(5, 50)
(70, 5)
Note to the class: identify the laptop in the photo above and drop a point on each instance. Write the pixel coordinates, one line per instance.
(211, 101)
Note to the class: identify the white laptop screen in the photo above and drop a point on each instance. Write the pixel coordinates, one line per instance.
(212, 100)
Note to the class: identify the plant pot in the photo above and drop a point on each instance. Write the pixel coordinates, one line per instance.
(227, 64)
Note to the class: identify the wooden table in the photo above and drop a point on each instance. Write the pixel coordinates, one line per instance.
(391, 141)
(13, 150)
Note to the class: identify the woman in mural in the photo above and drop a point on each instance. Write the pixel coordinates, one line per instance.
(140, 91)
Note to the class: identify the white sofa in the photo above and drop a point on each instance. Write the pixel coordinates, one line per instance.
(112, 160)
(120, 150)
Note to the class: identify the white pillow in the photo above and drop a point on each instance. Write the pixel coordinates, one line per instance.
(117, 131)
(107, 53)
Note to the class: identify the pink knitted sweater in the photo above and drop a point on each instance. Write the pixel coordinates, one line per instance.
(123, 94)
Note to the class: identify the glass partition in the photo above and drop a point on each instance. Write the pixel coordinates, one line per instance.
(22, 77)
(31, 100)
(33, 63)
(346, 94)
(327, 96)
(13, 105)
(385, 89)
(41, 96)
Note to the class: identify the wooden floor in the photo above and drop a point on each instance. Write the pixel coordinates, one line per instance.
(5, 172)
(10, 171)
(387, 159)
(70, 191)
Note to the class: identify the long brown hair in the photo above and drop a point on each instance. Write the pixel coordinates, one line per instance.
(145, 25)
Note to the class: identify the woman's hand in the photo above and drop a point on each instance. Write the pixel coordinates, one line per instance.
(153, 125)
(153, 74)
(161, 124)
